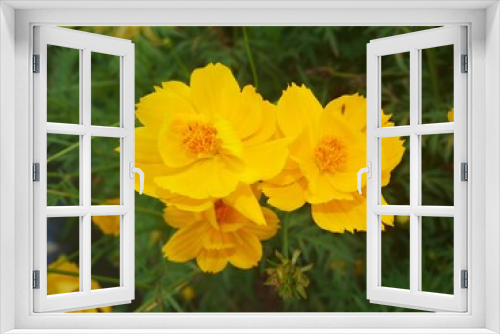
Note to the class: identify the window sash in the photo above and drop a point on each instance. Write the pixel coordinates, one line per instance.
(413, 43)
(86, 298)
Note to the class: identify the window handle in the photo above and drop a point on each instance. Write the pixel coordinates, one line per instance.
(368, 171)
(138, 171)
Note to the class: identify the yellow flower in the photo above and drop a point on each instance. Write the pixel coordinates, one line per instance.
(188, 293)
(451, 115)
(59, 283)
(109, 224)
(217, 236)
(328, 151)
(201, 142)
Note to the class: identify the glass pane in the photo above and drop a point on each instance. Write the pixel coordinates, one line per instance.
(105, 77)
(395, 99)
(63, 85)
(437, 84)
(63, 170)
(437, 170)
(437, 254)
(105, 171)
(105, 252)
(395, 170)
(396, 254)
(63, 255)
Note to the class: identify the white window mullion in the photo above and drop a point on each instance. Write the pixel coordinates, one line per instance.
(86, 172)
(414, 170)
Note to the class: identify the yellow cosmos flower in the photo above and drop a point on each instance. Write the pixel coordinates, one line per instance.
(207, 141)
(328, 151)
(109, 224)
(58, 283)
(451, 115)
(217, 236)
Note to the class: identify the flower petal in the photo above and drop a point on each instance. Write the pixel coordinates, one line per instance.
(287, 197)
(212, 261)
(204, 179)
(170, 99)
(298, 109)
(179, 218)
(248, 251)
(264, 161)
(185, 244)
(146, 148)
(244, 201)
(341, 215)
(264, 232)
(215, 91)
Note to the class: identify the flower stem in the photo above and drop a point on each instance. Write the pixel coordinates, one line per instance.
(250, 58)
(286, 221)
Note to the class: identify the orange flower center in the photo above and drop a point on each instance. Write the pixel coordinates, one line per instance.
(200, 138)
(221, 211)
(330, 154)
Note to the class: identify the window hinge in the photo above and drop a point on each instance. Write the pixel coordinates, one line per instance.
(465, 64)
(36, 279)
(36, 172)
(464, 279)
(36, 63)
(464, 172)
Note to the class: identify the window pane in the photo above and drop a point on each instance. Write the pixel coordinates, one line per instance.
(437, 84)
(63, 170)
(437, 254)
(105, 171)
(396, 254)
(395, 99)
(395, 170)
(63, 85)
(105, 77)
(63, 255)
(437, 170)
(105, 252)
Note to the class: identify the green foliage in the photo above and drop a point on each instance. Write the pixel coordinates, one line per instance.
(332, 62)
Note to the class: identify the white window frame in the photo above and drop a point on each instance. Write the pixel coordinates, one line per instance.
(85, 43)
(484, 142)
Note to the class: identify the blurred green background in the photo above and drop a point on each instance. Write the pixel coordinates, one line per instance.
(329, 60)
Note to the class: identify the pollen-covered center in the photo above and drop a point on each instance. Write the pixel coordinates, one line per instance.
(330, 154)
(200, 138)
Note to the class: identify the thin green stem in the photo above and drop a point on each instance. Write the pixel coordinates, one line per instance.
(286, 221)
(250, 58)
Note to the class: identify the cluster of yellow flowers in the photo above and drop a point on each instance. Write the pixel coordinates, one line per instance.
(209, 149)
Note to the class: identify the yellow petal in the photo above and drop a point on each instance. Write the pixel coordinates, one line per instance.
(267, 127)
(264, 161)
(212, 261)
(203, 179)
(218, 240)
(185, 244)
(244, 201)
(298, 109)
(341, 215)
(352, 108)
(183, 202)
(146, 148)
(180, 218)
(172, 98)
(288, 197)
(386, 219)
(246, 120)
(264, 232)
(215, 91)
(248, 251)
